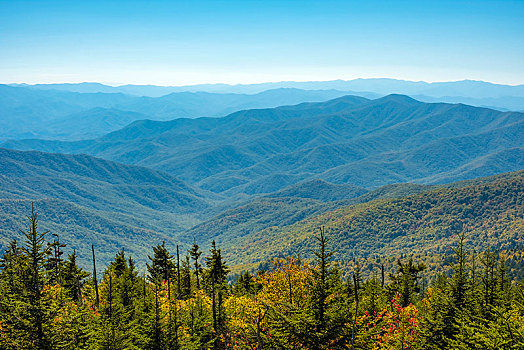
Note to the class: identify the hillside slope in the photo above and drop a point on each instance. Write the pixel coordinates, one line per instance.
(349, 140)
(85, 200)
(278, 210)
(28, 112)
(491, 212)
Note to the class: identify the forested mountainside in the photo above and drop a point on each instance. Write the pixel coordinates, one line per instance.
(275, 210)
(491, 214)
(186, 301)
(86, 199)
(53, 114)
(349, 140)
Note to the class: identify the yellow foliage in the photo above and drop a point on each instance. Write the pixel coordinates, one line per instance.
(288, 283)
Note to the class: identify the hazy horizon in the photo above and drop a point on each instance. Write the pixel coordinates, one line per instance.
(168, 43)
(117, 84)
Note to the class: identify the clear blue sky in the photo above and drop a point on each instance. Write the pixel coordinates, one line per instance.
(186, 42)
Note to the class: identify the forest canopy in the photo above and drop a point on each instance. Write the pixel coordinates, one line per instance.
(187, 301)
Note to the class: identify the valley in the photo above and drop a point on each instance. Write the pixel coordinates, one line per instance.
(261, 175)
(256, 174)
(348, 140)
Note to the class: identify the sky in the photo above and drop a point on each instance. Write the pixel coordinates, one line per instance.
(190, 42)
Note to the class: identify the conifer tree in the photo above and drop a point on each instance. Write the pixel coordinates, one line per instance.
(35, 252)
(195, 255)
(460, 282)
(162, 266)
(405, 281)
(185, 285)
(73, 278)
(178, 281)
(95, 279)
(54, 262)
(13, 272)
(216, 273)
(326, 281)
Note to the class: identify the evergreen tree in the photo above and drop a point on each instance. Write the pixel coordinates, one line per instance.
(185, 275)
(460, 282)
(13, 299)
(321, 275)
(35, 253)
(195, 255)
(325, 282)
(54, 262)
(216, 273)
(162, 266)
(73, 278)
(246, 285)
(405, 281)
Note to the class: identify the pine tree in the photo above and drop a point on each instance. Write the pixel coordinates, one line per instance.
(13, 301)
(326, 281)
(195, 255)
(405, 281)
(162, 266)
(321, 287)
(216, 273)
(95, 279)
(35, 252)
(460, 282)
(73, 278)
(246, 285)
(54, 262)
(120, 293)
(185, 283)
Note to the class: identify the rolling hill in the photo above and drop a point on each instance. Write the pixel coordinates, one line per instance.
(27, 112)
(348, 140)
(288, 206)
(88, 200)
(491, 212)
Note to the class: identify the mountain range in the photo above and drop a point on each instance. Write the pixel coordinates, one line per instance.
(477, 93)
(113, 176)
(348, 140)
(68, 115)
(86, 199)
(490, 211)
(88, 110)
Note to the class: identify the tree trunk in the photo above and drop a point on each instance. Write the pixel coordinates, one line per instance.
(95, 280)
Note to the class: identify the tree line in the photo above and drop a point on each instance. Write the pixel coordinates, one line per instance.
(186, 302)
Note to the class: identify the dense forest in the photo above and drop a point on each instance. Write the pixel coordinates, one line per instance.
(187, 301)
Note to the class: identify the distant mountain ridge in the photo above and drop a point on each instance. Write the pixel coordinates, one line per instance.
(83, 198)
(426, 224)
(88, 110)
(348, 140)
(384, 86)
(472, 92)
(68, 115)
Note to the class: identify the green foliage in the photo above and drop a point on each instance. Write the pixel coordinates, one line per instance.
(88, 200)
(405, 282)
(422, 226)
(73, 278)
(215, 283)
(162, 268)
(295, 304)
(348, 140)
